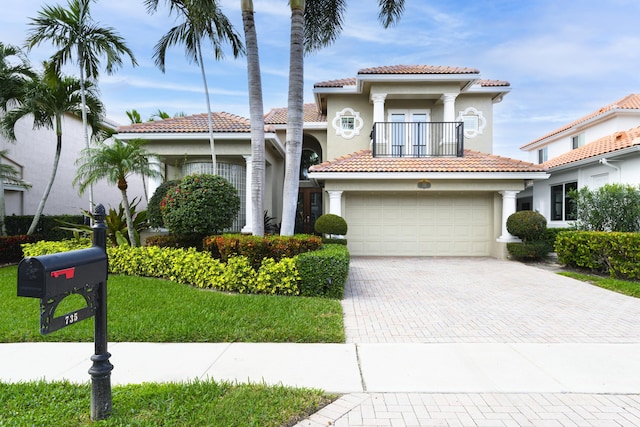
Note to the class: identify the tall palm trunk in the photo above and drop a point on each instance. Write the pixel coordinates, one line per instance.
(256, 114)
(54, 170)
(209, 119)
(3, 210)
(83, 99)
(295, 106)
(127, 213)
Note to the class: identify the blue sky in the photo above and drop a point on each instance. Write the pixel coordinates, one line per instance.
(563, 59)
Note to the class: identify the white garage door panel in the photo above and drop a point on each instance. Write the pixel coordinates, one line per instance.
(419, 224)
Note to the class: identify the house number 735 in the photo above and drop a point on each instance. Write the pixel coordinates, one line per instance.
(71, 318)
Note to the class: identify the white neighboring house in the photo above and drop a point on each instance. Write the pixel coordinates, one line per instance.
(600, 148)
(33, 152)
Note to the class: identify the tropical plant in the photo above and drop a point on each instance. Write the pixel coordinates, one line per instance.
(134, 116)
(47, 98)
(14, 76)
(80, 40)
(312, 28)
(116, 222)
(160, 115)
(115, 163)
(200, 203)
(256, 117)
(202, 19)
(612, 207)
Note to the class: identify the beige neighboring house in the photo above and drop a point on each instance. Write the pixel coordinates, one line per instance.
(600, 148)
(33, 152)
(403, 153)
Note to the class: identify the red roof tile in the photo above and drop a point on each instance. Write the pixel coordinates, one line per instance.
(351, 81)
(278, 116)
(222, 122)
(629, 102)
(493, 83)
(418, 69)
(604, 145)
(473, 161)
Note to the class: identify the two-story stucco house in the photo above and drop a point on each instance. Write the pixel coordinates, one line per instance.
(403, 153)
(599, 148)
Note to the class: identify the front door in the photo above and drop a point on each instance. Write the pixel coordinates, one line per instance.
(309, 209)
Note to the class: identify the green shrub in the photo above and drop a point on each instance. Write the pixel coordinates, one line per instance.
(11, 247)
(48, 227)
(324, 272)
(280, 277)
(44, 247)
(527, 225)
(528, 251)
(334, 241)
(331, 224)
(206, 204)
(153, 207)
(612, 207)
(615, 253)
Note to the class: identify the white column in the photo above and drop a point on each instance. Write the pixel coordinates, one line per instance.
(248, 209)
(508, 208)
(335, 202)
(378, 106)
(449, 101)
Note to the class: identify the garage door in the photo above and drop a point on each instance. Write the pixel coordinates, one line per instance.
(419, 224)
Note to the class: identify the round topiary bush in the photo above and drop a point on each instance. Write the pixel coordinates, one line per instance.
(153, 208)
(331, 224)
(205, 204)
(527, 225)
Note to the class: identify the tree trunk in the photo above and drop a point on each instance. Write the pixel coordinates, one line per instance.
(209, 119)
(256, 114)
(295, 107)
(127, 214)
(47, 190)
(3, 211)
(85, 126)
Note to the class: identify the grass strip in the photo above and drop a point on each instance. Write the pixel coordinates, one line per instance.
(144, 309)
(197, 403)
(625, 287)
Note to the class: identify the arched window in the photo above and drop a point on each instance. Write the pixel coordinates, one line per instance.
(309, 158)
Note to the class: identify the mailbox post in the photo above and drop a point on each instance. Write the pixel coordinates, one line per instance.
(100, 371)
(54, 277)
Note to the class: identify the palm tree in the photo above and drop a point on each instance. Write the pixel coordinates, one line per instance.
(161, 115)
(134, 116)
(82, 41)
(203, 19)
(256, 115)
(48, 98)
(115, 162)
(13, 80)
(312, 29)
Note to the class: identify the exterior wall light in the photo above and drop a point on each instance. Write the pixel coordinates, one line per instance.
(423, 184)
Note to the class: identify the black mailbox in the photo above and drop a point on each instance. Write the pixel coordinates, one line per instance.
(48, 276)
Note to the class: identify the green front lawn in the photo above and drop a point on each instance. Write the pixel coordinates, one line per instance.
(154, 310)
(199, 403)
(625, 287)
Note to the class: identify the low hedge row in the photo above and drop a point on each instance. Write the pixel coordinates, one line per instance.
(318, 273)
(615, 253)
(48, 227)
(10, 247)
(256, 248)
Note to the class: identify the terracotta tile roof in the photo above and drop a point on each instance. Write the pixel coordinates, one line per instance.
(351, 81)
(418, 69)
(493, 83)
(222, 122)
(604, 145)
(473, 161)
(278, 116)
(629, 102)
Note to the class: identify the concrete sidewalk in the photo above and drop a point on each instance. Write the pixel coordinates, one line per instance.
(347, 368)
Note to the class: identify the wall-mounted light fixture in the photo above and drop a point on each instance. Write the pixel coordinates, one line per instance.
(423, 184)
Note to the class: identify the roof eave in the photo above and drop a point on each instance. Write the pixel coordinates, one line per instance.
(426, 175)
(594, 159)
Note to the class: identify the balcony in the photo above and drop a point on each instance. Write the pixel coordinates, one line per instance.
(417, 139)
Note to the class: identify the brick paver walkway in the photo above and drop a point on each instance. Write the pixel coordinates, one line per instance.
(456, 300)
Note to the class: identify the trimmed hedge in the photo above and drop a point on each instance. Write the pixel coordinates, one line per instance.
(318, 273)
(331, 224)
(176, 241)
(257, 248)
(615, 253)
(10, 247)
(48, 227)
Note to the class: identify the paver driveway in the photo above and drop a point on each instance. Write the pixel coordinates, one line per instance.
(479, 300)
